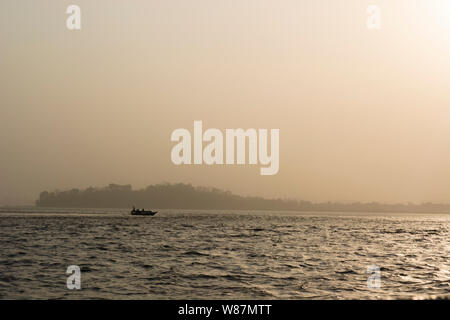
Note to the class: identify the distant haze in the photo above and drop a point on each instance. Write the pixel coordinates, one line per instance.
(363, 115)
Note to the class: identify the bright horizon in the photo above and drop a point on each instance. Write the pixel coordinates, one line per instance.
(363, 115)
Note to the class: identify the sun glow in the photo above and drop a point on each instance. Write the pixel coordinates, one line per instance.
(440, 13)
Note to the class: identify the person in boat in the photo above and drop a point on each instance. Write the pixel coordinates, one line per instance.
(134, 209)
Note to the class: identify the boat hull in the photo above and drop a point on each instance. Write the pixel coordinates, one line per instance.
(143, 213)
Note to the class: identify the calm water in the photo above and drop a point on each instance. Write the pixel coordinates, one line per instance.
(222, 255)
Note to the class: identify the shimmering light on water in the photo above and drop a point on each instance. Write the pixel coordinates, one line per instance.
(209, 254)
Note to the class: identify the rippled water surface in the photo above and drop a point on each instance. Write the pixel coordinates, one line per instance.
(222, 255)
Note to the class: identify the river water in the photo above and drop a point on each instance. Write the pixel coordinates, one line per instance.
(193, 254)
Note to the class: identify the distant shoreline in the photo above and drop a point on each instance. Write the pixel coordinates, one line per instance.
(60, 211)
(188, 197)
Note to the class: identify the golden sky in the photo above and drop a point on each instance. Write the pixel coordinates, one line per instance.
(364, 115)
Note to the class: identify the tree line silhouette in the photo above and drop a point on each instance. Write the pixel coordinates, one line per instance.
(186, 196)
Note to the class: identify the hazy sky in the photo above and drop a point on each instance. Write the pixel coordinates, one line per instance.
(363, 115)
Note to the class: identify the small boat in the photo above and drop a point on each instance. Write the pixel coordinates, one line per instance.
(135, 212)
